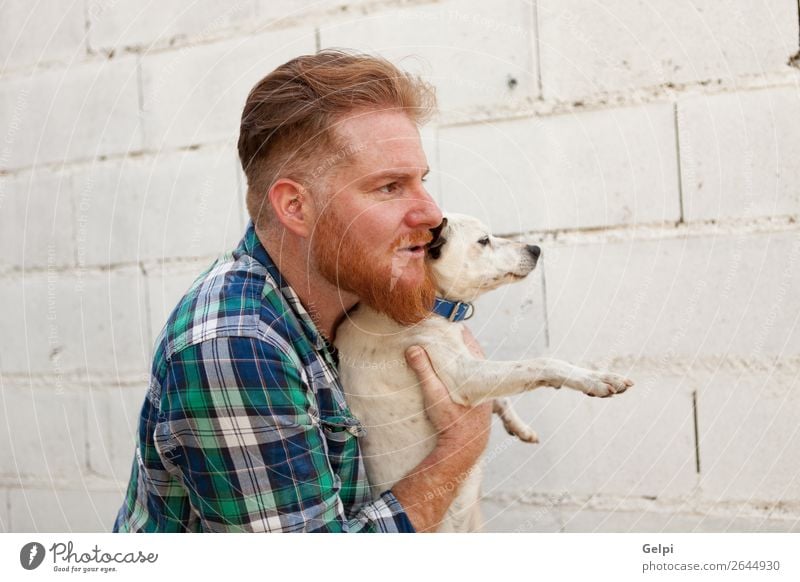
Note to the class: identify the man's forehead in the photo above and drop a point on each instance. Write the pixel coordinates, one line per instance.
(381, 140)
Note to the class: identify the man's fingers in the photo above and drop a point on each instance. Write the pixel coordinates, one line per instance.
(419, 362)
(433, 390)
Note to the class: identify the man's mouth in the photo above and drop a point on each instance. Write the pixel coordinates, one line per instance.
(413, 250)
(412, 245)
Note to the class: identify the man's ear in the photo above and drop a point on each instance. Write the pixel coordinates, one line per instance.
(292, 205)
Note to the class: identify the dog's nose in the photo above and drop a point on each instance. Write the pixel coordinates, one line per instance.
(534, 250)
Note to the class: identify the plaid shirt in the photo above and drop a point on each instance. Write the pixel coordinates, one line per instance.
(245, 426)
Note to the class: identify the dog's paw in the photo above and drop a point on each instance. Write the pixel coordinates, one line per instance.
(605, 384)
(513, 424)
(523, 432)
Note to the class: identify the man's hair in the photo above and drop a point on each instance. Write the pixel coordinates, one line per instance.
(288, 119)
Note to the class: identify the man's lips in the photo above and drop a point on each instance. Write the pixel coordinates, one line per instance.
(413, 251)
(413, 245)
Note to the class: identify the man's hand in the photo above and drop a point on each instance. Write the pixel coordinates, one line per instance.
(458, 426)
(463, 431)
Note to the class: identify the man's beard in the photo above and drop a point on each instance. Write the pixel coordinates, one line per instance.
(374, 275)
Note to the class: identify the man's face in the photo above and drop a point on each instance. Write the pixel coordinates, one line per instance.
(375, 216)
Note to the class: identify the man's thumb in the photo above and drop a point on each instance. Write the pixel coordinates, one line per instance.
(418, 361)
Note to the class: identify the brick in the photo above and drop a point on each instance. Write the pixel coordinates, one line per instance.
(46, 432)
(512, 517)
(36, 210)
(177, 204)
(688, 297)
(744, 523)
(586, 520)
(589, 520)
(77, 509)
(166, 284)
(749, 438)
(75, 322)
(157, 24)
(482, 56)
(591, 48)
(279, 12)
(738, 154)
(580, 170)
(637, 444)
(112, 420)
(195, 95)
(5, 513)
(41, 32)
(85, 111)
(509, 322)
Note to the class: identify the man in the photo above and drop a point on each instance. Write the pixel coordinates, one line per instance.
(245, 426)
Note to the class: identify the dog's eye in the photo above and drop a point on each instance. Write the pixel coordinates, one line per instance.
(484, 241)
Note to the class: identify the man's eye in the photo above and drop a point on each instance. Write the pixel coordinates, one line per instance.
(389, 188)
(484, 241)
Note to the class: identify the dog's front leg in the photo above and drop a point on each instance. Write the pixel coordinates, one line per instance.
(474, 381)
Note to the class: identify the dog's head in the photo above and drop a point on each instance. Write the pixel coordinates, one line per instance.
(468, 261)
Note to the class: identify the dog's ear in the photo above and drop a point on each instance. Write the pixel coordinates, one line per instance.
(434, 247)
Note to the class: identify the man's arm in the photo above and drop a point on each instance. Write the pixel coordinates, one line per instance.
(238, 429)
(431, 487)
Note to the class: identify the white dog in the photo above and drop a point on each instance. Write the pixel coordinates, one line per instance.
(383, 393)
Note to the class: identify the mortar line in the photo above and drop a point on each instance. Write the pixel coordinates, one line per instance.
(562, 237)
(147, 308)
(537, 48)
(86, 27)
(681, 218)
(696, 433)
(544, 302)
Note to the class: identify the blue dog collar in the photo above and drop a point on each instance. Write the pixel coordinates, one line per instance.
(453, 310)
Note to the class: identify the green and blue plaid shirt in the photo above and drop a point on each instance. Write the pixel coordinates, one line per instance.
(245, 425)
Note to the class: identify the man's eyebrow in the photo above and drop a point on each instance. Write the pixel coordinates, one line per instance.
(394, 174)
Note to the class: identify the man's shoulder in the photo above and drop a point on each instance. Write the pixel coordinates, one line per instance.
(232, 298)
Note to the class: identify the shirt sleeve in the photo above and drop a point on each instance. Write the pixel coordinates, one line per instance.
(236, 429)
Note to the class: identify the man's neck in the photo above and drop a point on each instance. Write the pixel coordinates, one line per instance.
(324, 301)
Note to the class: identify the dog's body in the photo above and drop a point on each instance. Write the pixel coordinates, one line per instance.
(384, 394)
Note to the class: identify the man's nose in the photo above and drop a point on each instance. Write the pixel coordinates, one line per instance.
(425, 212)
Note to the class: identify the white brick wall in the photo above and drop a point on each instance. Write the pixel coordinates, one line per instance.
(642, 445)
(739, 154)
(57, 509)
(478, 54)
(619, 45)
(112, 415)
(166, 284)
(161, 24)
(82, 112)
(178, 204)
(734, 461)
(48, 432)
(41, 32)
(38, 225)
(689, 298)
(93, 322)
(195, 95)
(649, 149)
(578, 170)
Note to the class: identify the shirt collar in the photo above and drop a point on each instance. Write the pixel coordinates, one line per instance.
(252, 246)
